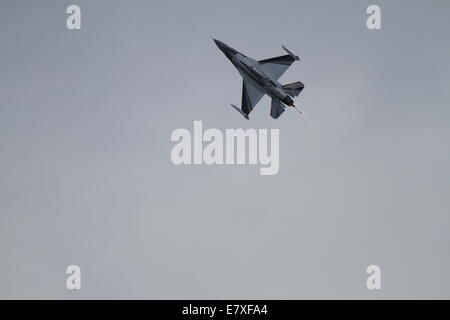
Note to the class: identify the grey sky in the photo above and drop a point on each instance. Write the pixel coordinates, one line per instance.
(86, 176)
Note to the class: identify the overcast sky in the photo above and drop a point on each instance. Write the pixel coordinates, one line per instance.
(86, 176)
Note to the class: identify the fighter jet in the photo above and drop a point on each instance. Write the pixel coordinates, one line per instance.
(260, 78)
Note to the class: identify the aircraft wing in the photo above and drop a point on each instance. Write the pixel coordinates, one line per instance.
(251, 94)
(275, 67)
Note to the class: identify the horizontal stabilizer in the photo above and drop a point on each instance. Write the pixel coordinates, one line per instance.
(240, 111)
(294, 89)
(276, 109)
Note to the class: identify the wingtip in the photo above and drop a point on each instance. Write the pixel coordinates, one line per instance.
(297, 58)
(240, 111)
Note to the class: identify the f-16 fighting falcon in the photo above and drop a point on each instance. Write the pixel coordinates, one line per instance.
(260, 78)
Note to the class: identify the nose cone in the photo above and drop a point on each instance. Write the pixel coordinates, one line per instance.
(227, 51)
(217, 42)
(220, 44)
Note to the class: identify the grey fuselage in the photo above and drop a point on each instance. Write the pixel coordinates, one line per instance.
(249, 69)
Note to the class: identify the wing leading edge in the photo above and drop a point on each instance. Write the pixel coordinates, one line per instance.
(275, 67)
(276, 108)
(251, 95)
